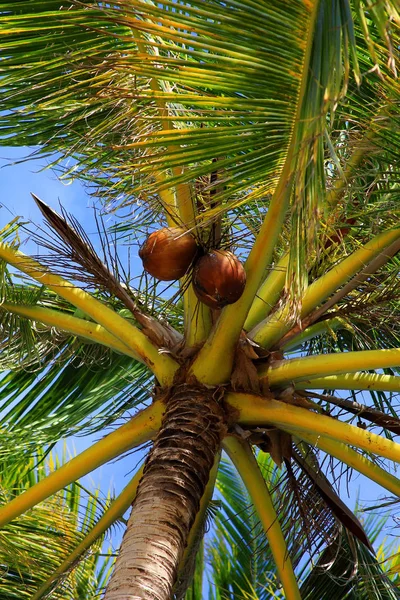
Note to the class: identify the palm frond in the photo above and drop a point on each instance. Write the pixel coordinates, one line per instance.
(33, 545)
(54, 384)
(108, 87)
(334, 575)
(99, 74)
(169, 90)
(67, 397)
(343, 567)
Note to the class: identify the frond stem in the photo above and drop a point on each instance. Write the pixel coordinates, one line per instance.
(183, 212)
(70, 324)
(198, 321)
(162, 365)
(117, 508)
(270, 331)
(243, 458)
(257, 411)
(315, 330)
(139, 430)
(363, 275)
(268, 294)
(352, 381)
(353, 459)
(308, 367)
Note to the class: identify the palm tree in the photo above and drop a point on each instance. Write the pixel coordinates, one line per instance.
(268, 130)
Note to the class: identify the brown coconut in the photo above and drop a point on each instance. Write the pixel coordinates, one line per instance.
(219, 278)
(168, 253)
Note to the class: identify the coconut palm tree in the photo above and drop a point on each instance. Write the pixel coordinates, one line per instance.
(229, 130)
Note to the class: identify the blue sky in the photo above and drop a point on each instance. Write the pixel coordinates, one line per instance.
(18, 180)
(16, 183)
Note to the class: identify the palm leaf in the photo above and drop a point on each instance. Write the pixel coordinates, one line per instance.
(72, 398)
(119, 69)
(65, 385)
(127, 90)
(240, 561)
(32, 546)
(332, 576)
(54, 384)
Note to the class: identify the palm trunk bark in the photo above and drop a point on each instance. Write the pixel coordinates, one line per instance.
(168, 498)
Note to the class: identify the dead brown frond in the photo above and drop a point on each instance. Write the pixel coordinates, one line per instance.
(328, 495)
(71, 247)
(71, 251)
(308, 522)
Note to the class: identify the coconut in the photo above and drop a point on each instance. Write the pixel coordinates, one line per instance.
(168, 253)
(219, 278)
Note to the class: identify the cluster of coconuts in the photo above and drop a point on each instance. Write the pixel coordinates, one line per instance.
(218, 276)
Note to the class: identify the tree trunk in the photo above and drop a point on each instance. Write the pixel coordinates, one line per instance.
(169, 494)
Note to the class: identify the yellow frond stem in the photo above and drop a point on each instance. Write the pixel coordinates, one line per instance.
(365, 274)
(168, 200)
(74, 325)
(197, 316)
(196, 531)
(321, 328)
(353, 381)
(341, 184)
(309, 367)
(162, 365)
(139, 430)
(353, 459)
(256, 411)
(243, 458)
(214, 362)
(181, 211)
(268, 294)
(270, 331)
(117, 508)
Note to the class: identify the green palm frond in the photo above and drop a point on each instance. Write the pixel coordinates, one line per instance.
(149, 90)
(54, 384)
(33, 546)
(66, 385)
(368, 316)
(68, 397)
(201, 49)
(211, 65)
(333, 577)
